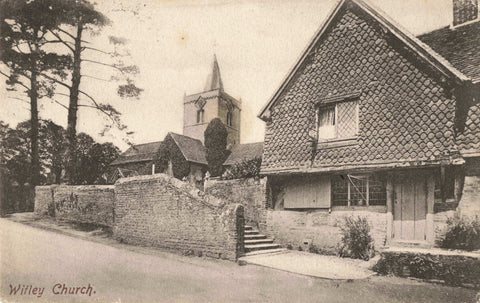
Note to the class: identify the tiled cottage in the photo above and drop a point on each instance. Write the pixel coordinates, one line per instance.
(376, 122)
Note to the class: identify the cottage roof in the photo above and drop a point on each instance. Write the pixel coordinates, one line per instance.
(244, 151)
(138, 153)
(460, 46)
(192, 149)
(409, 40)
(406, 114)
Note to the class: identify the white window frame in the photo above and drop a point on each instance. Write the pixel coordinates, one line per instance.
(335, 105)
(335, 115)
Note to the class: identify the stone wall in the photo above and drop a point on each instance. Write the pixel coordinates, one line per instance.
(43, 197)
(164, 212)
(440, 220)
(82, 204)
(319, 228)
(469, 205)
(251, 193)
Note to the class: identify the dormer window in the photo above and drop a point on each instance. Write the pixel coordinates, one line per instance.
(337, 121)
(200, 115)
(229, 119)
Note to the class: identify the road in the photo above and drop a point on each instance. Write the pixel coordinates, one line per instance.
(34, 259)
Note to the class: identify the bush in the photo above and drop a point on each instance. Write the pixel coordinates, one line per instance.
(462, 233)
(244, 169)
(215, 145)
(455, 270)
(356, 242)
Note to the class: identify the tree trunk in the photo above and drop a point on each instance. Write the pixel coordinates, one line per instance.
(73, 108)
(35, 160)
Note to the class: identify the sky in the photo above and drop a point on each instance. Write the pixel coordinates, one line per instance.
(173, 43)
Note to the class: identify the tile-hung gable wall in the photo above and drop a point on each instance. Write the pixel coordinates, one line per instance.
(405, 114)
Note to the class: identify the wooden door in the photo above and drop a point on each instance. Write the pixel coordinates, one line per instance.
(410, 208)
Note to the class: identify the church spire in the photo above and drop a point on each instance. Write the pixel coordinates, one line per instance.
(214, 80)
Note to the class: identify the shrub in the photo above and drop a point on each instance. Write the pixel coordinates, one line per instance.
(215, 144)
(462, 233)
(356, 242)
(247, 168)
(455, 270)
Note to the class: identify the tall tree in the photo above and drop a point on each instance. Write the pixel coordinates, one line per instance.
(97, 161)
(17, 154)
(216, 143)
(94, 158)
(24, 25)
(82, 21)
(52, 149)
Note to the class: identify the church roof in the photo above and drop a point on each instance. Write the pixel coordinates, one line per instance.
(138, 153)
(214, 80)
(192, 149)
(246, 151)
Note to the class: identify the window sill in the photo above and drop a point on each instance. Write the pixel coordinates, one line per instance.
(331, 143)
(370, 208)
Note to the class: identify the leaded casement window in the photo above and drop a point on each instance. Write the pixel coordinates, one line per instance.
(358, 190)
(338, 121)
(200, 115)
(445, 184)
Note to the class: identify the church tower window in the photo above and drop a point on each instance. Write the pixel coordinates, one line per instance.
(229, 118)
(200, 116)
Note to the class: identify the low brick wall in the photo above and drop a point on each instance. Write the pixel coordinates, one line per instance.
(82, 204)
(319, 228)
(164, 212)
(251, 193)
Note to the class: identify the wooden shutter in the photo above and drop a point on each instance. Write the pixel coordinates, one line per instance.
(308, 192)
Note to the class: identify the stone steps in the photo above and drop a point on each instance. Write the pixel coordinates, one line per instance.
(266, 251)
(256, 243)
(253, 237)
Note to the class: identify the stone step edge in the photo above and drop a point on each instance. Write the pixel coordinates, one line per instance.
(265, 251)
(254, 241)
(261, 246)
(252, 237)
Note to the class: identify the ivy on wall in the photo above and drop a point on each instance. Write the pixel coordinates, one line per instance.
(247, 168)
(169, 152)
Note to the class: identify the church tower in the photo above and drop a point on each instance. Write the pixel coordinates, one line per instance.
(201, 108)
